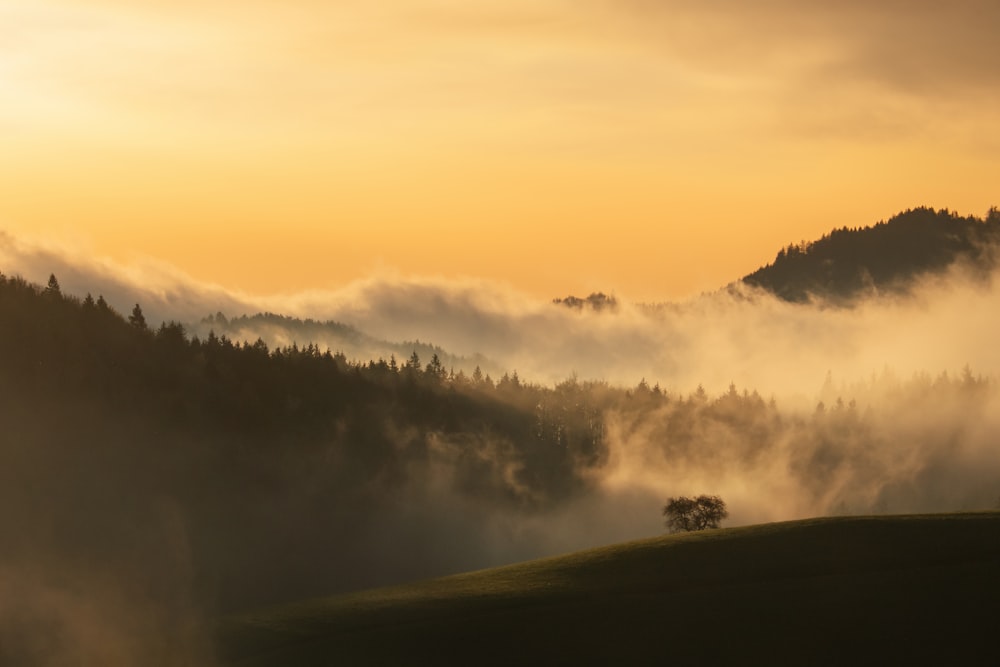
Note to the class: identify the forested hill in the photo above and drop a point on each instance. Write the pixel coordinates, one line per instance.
(886, 257)
(291, 462)
(149, 477)
(278, 331)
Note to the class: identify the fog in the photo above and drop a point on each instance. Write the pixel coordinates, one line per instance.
(734, 335)
(923, 446)
(164, 292)
(785, 410)
(97, 565)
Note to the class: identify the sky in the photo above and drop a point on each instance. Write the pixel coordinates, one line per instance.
(650, 149)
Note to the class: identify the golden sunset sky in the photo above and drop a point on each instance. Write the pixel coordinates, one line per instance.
(650, 148)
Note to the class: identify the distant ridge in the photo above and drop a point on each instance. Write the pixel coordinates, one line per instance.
(884, 258)
(277, 331)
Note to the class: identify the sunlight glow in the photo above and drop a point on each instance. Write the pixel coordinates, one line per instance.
(431, 136)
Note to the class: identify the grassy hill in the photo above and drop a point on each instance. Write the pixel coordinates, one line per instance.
(872, 590)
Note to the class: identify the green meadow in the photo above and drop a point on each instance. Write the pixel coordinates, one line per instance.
(915, 589)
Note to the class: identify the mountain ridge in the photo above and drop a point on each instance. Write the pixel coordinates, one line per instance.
(848, 263)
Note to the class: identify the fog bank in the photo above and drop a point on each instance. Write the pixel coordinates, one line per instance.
(735, 335)
(148, 484)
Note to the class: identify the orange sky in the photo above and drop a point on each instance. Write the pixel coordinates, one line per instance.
(652, 149)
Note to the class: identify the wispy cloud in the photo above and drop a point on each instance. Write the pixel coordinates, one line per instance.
(741, 336)
(163, 292)
(867, 71)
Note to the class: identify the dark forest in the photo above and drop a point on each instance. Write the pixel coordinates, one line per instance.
(157, 478)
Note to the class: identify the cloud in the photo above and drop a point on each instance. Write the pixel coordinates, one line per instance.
(163, 292)
(547, 65)
(908, 45)
(737, 335)
(57, 613)
(872, 71)
(924, 445)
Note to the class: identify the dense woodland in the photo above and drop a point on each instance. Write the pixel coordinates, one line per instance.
(260, 450)
(852, 262)
(180, 472)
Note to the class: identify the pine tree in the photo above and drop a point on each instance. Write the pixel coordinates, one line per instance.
(53, 289)
(137, 319)
(414, 363)
(435, 369)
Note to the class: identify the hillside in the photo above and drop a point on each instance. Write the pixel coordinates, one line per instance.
(886, 257)
(277, 331)
(152, 479)
(239, 439)
(913, 589)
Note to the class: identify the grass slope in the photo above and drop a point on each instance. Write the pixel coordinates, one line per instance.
(892, 590)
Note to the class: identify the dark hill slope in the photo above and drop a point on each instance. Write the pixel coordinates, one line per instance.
(869, 590)
(883, 258)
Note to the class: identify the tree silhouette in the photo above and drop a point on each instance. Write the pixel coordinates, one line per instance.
(413, 363)
(435, 370)
(137, 319)
(699, 513)
(53, 288)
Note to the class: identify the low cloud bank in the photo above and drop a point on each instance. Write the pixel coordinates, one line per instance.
(736, 335)
(163, 292)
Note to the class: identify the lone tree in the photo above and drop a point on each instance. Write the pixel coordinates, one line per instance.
(694, 513)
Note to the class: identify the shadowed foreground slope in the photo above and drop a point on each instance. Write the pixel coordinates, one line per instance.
(904, 589)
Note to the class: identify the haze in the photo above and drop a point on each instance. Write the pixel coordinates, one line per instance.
(649, 149)
(429, 175)
(130, 528)
(734, 335)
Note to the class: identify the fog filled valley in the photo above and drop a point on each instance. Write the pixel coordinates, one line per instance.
(197, 454)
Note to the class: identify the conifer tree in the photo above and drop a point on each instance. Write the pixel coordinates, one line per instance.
(414, 363)
(435, 370)
(53, 289)
(137, 319)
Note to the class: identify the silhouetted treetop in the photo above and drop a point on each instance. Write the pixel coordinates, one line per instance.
(689, 514)
(137, 319)
(53, 286)
(596, 301)
(886, 257)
